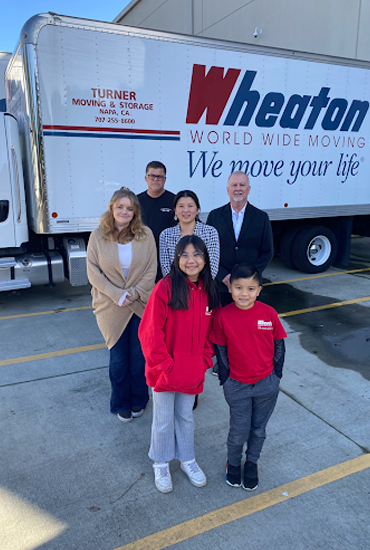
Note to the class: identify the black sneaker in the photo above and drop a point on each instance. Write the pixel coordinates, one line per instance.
(233, 475)
(136, 412)
(250, 481)
(125, 416)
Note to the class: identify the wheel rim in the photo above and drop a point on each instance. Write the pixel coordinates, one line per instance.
(319, 250)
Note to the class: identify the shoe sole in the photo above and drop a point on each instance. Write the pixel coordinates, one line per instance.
(122, 419)
(232, 484)
(137, 414)
(196, 484)
(250, 488)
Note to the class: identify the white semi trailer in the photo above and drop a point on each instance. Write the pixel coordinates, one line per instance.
(94, 102)
(4, 60)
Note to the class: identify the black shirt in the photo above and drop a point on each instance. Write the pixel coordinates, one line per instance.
(157, 213)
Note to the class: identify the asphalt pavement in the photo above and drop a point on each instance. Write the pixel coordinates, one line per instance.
(74, 477)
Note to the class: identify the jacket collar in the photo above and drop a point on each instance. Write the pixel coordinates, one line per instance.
(193, 285)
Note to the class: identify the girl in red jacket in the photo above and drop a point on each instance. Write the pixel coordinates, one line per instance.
(173, 334)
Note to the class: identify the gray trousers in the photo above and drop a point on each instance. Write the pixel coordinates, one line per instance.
(172, 427)
(251, 406)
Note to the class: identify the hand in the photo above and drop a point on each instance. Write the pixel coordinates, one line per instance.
(226, 281)
(126, 301)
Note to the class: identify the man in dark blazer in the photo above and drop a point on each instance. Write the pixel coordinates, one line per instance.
(245, 233)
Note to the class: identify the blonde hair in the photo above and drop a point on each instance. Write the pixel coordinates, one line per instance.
(135, 230)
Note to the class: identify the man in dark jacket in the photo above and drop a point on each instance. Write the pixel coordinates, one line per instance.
(245, 233)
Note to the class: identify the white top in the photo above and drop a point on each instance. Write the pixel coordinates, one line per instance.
(125, 259)
(238, 218)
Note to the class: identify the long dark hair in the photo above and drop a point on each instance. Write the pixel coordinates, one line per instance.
(180, 289)
(186, 193)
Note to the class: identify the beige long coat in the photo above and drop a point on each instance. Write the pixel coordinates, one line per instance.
(108, 282)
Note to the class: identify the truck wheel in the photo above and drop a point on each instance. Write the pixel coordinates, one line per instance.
(286, 247)
(314, 249)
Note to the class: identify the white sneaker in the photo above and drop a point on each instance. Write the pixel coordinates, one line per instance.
(195, 474)
(162, 477)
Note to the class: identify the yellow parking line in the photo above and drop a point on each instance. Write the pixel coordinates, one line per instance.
(222, 516)
(101, 346)
(326, 306)
(50, 354)
(44, 312)
(318, 276)
(66, 310)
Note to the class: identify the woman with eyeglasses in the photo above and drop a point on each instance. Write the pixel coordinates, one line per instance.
(186, 207)
(174, 339)
(121, 267)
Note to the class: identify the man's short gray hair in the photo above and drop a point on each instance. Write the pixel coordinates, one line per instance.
(238, 173)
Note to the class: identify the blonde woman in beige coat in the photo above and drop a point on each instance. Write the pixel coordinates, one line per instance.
(121, 266)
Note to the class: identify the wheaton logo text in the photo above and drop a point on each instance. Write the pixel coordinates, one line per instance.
(210, 92)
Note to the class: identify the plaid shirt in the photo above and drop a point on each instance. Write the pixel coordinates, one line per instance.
(169, 238)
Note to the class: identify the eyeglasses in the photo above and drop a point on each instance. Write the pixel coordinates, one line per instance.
(154, 177)
(196, 256)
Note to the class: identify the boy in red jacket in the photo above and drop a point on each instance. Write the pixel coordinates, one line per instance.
(250, 352)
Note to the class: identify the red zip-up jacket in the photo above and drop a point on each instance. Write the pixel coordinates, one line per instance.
(175, 343)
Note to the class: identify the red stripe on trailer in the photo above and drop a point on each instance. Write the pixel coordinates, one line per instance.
(104, 129)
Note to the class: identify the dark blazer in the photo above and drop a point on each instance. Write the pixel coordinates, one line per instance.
(254, 246)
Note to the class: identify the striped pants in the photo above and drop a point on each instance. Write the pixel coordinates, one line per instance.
(173, 427)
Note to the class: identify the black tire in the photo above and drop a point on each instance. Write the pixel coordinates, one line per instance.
(285, 248)
(302, 250)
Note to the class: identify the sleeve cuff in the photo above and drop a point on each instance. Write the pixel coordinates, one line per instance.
(122, 299)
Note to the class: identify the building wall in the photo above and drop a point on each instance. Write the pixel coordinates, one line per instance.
(161, 15)
(329, 27)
